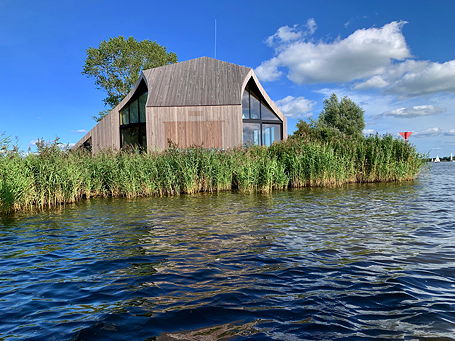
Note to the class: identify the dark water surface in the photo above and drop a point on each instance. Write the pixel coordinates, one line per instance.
(354, 263)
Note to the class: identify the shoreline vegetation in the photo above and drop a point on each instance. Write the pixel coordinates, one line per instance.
(55, 177)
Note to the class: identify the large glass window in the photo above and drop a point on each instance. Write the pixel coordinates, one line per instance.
(142, 103)
(271, 133)
(134, 112)
(255, 107)
(267, 114)
(132, 121)
(125, 116)
(246, 105)
(251, 134)
(87, 145)
(134, 136)
(260, 124)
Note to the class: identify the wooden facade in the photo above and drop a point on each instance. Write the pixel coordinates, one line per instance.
(192, 103)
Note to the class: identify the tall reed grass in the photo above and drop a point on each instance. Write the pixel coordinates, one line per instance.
(55, 177)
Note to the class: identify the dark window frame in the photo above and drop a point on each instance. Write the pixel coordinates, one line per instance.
(135, 99)
(279, 121)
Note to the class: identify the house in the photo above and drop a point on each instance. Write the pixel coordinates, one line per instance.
(200, 102)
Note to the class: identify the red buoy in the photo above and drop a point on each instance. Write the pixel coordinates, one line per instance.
(406, 134)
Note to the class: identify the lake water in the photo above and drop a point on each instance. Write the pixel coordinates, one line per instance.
(361, 262)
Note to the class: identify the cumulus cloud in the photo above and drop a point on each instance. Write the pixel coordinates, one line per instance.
(268, 70)
(434, 132)
(415, 111)
(284, 34)
(412, 78)
(426, 78)
(296, 107)
(287, 33)
(374, 58)
(365, 53)
(373, 82)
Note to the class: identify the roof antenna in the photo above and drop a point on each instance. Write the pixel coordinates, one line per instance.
(215, 39)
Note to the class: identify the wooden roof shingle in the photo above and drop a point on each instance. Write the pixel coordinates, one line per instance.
(200, 81)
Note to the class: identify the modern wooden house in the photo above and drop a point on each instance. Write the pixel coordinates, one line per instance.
(200, 102)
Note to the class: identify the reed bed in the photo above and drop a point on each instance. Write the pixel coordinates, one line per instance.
(55, 177)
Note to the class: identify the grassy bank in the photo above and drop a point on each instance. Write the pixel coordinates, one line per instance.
(55, 177)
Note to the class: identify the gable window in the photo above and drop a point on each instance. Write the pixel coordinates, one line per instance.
(132, 121)
(87, 145)
(260, 124)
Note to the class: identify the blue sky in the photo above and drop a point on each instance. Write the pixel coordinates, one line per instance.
(395, 58)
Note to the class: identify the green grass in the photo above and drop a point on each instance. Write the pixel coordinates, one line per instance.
(54, 177)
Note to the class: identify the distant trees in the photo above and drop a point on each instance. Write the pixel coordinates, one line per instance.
(344, 115)
(338, 118)
(117, 63)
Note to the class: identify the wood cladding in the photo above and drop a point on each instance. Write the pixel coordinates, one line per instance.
(222, 126)
(196, 102)
(200, 81)
(206, 134)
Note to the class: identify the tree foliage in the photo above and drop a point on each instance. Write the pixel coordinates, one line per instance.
(338, 120)
(344, 115)
(313, 131)
(116, 65)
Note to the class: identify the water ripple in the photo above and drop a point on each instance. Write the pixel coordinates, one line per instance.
(361, 262)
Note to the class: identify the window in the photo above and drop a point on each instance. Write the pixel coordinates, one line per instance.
(246, 105)
(125, 116)
(134, 136)
(255, 107)
(132, 120)
(134, 112)
(251, 134)
(260, 124)
(271, 133)
(87, 145)
(267, 114)
(142, 103)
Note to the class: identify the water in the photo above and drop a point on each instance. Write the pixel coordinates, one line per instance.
(354, 263)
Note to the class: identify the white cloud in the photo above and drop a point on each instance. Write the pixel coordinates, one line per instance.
(434, 132)
(311, 26)
(268, 70)
(412, 78)
(296, 107)
(426, 78)
(81, 131)
(428, 132)
(286, 34)
(415, 111)
(373, 82)
(365, 53)
(369, 132)
(377, 58)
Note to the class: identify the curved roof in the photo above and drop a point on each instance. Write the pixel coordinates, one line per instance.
(200, 81)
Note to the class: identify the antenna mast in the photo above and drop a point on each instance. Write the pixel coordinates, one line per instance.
(215, 38)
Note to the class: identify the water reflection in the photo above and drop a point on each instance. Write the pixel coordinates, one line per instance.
(363, 261)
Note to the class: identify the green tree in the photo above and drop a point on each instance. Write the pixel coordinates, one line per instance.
(116, 65)
(344, 115)
(314, 131)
